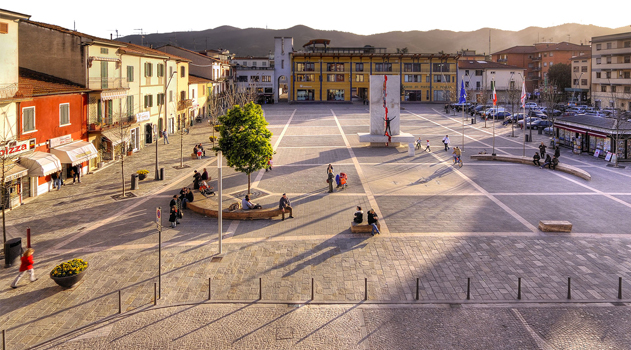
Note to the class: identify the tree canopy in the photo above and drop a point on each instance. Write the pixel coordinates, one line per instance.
(244, 139)
(560, 75)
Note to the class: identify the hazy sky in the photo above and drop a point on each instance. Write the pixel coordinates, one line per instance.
(360, 17)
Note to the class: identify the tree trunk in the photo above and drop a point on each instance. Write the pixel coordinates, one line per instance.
(249, 182)
(123, 166)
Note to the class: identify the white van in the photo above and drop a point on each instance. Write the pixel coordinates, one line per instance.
(492, 111)
(531, 105)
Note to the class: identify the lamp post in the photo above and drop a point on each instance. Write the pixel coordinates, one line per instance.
(523, 105)
(578, 87)
(511, 86)
(157, 171)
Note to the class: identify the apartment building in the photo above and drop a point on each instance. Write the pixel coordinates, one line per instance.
(611, 71)
(255, 73)
(478, 75)
(581, 79)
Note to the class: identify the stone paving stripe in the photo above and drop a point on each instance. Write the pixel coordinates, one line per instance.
(362, 179)
(628, 205)
(491, 197)
(259, 176)
(125, 210)
(541, 344)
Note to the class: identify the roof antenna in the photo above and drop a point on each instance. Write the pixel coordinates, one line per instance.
(74, 24)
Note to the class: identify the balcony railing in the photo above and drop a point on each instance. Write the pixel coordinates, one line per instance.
(106, 83)
(183, 104)
(15, 91)
(536, 58)
(105, 123)
(501, 60)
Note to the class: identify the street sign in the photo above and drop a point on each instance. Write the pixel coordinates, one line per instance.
(158, 214)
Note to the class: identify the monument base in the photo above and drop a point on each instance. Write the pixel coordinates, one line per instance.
(380, 140)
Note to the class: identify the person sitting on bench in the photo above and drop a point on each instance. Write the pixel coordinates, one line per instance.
(547, 163)
(536, 158)
(246, 204)
(555, 162)
(358, 217)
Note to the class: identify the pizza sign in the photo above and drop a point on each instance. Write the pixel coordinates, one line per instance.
(14, 148)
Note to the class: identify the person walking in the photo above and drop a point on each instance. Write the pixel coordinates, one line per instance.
(173, 216)
(330, 180)
(176, 202)
(166, 136)
(270, 163)
(283, 204)
(419, 143)
(26, 264)
(76, 173)
(427, 147)
(372, 221)
(446, 142)
(542, 150)
(56, 177)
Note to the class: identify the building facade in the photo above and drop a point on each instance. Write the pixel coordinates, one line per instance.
(580, 91)
(256, 73)
(611, 71)
(478, 75)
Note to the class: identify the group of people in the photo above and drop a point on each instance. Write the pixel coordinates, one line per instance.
(58, 180)
(283, 204)
(358, 218)
(550, 162)
(340, 179)
(419, 144)
(200, 182)
(199, 151)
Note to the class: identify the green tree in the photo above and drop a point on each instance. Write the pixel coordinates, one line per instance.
(244, 139)
(561, 75)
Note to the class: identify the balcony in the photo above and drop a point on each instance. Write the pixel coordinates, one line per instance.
(100, 124)
(15, 91)
(502, 60)
(184, 104)
(536, 58)
(108, 83)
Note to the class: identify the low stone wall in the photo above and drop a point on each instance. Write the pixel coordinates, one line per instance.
(566, 168)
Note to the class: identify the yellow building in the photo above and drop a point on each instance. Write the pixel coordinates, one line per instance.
(343, 74)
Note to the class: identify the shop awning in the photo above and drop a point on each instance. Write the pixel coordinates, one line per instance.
(15, 171)
(75, 152)
(114, 135)
(597, 134)
(40, 164)
(569, 128)
(112, 95)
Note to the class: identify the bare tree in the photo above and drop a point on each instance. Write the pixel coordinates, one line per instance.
(9, 152)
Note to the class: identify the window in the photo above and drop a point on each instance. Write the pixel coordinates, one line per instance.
(412, 67)
(545, 64)
(441, 67)
(478, 72)
(160, 70)
(148, 101)
(415, 78)
(598, 47)
(438, 78)
(613, 88)
(603, 88)
(171, 96)
(608, 46)
(242, 79)
(192, 93)
(335, 67)
(202, 92)
(305, 77)
(335, 77)
(598, 75)
(575, 82)
(608, 75)
(170, 71)
(626, 75)
(4, 28)
(584, 69)
(335, 95)
(148, 69)
(383, 67)
(359, 67)
(160, 99)
(492, 72)
(282, 64)
(551, 63)
(413, 95)
(627, 89)
(627, 44)
(627, 59)
(130, 105)
(183, 72)
(253, 63)
(263, 64)
(64, 114)
(182, 95)
(575, 69)
(551, 54)
(28, 119)
(466, 84)
(598, 60)
(609, 60)
(545, 54)
(266, 78)
(130, 73)
(104, 50)
(359, 78)
(254, 78)
(245, 63)
(583, 81)
(466, 72)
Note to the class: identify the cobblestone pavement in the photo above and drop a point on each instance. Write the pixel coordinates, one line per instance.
(440, 224)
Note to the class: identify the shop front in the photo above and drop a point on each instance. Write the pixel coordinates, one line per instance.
(75, 153)
(40, 165)
(14, 173)
(111, 141)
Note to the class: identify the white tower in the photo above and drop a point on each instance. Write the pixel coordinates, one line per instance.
(283, 47)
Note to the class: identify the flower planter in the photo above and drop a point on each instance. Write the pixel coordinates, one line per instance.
(142, 176)
(69, 281)
(129, 153)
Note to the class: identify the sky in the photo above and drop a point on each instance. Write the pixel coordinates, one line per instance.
(130, 17)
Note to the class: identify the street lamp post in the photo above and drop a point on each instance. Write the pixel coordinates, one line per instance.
(157, 171)
(523, 84)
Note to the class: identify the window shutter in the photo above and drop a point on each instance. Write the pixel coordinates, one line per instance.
(4, 28)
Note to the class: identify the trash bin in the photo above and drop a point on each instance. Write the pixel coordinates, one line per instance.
(12, 251)
(540, 131)
(527, 137)
(161, 173)
(473, 120)
(134, 181)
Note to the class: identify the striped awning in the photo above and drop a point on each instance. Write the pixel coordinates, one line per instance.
(15, 171)
(112, 95)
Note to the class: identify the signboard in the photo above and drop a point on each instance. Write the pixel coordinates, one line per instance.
(14, 148)
(159, 218)
(596, 153)
(58, 141)
(141, 117)
(608, 156)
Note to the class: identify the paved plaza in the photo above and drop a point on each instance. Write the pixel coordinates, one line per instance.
(441, 225)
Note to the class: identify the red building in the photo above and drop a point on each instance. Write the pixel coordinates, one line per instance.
(55, 125)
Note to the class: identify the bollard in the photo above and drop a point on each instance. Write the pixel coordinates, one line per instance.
(468, 288)
(161, 173)
(569, 288)
(312, 289)
(28, 237)
(260, 288)
(365, 288)
(120, 303)
(155, 293)
(4, 339)
(519, 288)
(209, 284)
(417, 288)
(619, 287)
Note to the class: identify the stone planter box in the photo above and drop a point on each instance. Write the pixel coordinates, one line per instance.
(69, 281)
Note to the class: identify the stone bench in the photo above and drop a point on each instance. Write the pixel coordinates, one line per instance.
(363, 227)
(208, 208)
(566, 168)
(555, 226)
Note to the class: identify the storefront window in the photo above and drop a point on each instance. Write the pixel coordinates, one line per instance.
(335, 95)
(305, 95)
(413, 95)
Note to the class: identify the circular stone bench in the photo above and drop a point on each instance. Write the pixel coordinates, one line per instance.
(208, 207)
(566, 168)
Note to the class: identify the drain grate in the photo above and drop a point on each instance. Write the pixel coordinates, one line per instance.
(216, 259)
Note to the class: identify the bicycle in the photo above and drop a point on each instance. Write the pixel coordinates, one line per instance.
(458, 160)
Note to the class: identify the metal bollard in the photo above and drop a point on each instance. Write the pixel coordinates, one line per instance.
(519, 288)
(155, 293)
(4, 339)
(365, 288)
(468, 288)
(161, 173)
(120, 302)
(417, 288)
(569, 288)
(28, 237)
(209, 284)
(260, 288)
(619, 287)
(312, 289)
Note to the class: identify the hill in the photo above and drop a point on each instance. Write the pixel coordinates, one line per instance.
(259, 42)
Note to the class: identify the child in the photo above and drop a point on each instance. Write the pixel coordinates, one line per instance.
(26, 265)
(173, 216)
(427, 148)
(270, 162)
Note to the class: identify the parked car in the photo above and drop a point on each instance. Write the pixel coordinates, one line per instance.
(530, 105)
(500, 115)
(478, 110)
(513, 118)
(537, 114)
(493, 110)
(528, 121)
(539, 124)
(549, 130)
(548, 111)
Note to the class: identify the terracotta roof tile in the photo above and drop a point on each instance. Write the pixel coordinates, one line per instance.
(189, 51)
(192, 79)
(143, 50)
(44, 84)
(471, 64)
(564, 46)
(516, 49)
(72, 32)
